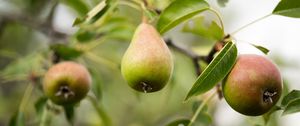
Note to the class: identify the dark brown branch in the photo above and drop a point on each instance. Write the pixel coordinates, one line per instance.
(195, 57)
(216, 48)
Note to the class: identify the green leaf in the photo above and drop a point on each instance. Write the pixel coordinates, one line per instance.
(78, 5)
(219, 67)
(197, 27)
(292, 96)
(203, 119)
(17, 119)
(85, 36)
(289, 8)
(97, 83)
(69, 112)
(179, 11)
(40, 105)
(179, 122)
(94, 14)
(267, 116)
(261, 48)
(222, 3)
(292, 107)
(20, 69)
(197, 104)
(65, 51)
(119, 28)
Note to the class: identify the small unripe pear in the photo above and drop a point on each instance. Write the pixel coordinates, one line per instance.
(67, 83)
(253, 86)
(147, 64)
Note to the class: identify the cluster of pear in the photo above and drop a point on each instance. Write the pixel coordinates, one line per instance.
(252, 87)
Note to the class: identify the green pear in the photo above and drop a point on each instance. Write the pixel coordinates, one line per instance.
(147, 64)
(253, 86)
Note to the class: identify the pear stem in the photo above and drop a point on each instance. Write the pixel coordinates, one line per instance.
(219, 17)
(199, 109)
(247, 25)
(196, 57)
(102, 114)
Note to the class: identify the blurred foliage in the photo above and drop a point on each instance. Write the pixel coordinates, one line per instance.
(104, 32)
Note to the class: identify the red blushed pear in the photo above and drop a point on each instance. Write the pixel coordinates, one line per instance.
(147, 63)
(253, 86)
(67, 83)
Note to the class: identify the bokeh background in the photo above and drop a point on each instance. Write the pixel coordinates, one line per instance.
(25, 48)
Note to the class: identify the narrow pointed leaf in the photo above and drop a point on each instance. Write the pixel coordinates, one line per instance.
(17, 119)
(293, 95)
(94, 14)
(215, 71)
(69, 113)
(179, 11)
(292, 107)
(261, 48)
(78, 5)
(289, 8)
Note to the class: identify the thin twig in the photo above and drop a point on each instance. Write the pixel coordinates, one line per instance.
(102, 114)
(199, 109)
(247, 25)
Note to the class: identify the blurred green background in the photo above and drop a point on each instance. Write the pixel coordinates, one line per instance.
(31, 30)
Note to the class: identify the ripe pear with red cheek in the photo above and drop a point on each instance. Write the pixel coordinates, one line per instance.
(67, 83)
(253, 86)
(147, 63)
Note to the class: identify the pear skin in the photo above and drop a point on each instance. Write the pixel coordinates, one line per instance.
(253, 86)
(147, 64)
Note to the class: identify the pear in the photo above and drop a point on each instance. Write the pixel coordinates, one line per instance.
(67, 83)
(147, 64)
(253, 86)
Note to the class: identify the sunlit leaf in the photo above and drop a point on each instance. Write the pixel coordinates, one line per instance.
(118, 28)
(197, 26)
(292, 107)
(78, 5)
(179, 11)
(215, 71)
(261, 48)
(289, 8)
(293, 95)
(94, 14)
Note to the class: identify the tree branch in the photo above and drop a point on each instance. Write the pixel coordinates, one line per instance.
(195, 57)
